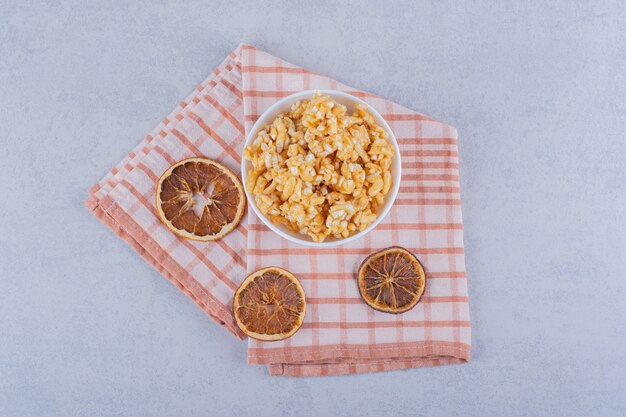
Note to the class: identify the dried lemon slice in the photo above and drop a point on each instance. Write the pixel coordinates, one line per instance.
(269, 304)
(200, 199)
(392, 280)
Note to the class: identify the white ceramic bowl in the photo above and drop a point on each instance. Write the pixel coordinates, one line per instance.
(284, 106)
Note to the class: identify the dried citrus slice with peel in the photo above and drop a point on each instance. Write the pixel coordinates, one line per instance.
(200, 199)
(392, 280)
(269, 305)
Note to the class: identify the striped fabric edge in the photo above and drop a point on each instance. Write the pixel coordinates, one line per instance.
(352, 368)
(122, 224)
(381, 352)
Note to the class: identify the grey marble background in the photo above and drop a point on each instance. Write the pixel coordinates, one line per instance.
(537, 91)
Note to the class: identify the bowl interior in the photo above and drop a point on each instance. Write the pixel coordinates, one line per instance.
(284, 106)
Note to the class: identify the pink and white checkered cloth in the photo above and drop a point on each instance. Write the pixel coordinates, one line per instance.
(341, 334)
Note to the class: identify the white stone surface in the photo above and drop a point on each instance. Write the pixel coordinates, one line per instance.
(537, 92)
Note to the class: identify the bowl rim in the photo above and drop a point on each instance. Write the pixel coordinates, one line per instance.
(392, 193)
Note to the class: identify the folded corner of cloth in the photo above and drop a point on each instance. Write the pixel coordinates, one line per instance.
(341, 334)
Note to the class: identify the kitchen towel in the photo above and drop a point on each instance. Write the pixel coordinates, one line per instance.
(341, 334)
